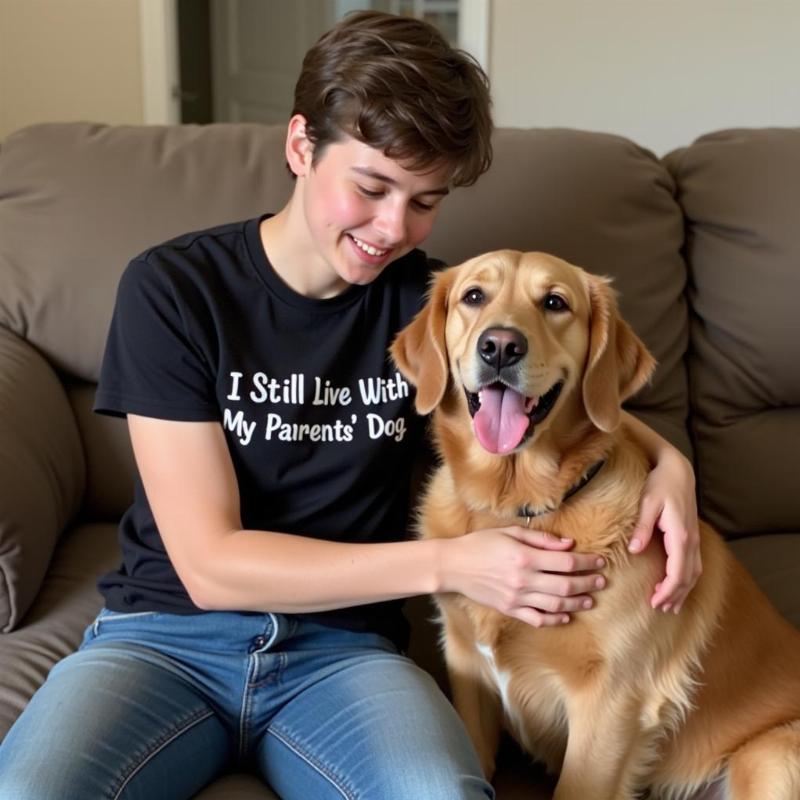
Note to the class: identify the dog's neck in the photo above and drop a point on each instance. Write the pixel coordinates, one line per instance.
(527, 512)
(537, 477)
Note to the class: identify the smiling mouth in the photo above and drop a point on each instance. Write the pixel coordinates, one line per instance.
(503, 418)
(367, 248)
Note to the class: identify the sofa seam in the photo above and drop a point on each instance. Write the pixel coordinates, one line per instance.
(9, 623)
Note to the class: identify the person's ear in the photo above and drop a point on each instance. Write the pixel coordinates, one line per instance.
(299, 148)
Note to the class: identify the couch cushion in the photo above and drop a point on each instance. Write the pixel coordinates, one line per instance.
(41, 472)
(739, 192)
(603, 203)
(80, 200)
(109, 457)
(238, 786)
(773, 561)
(66, 604)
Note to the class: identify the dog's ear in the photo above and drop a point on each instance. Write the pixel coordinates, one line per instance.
(419, 349)
(618, 363)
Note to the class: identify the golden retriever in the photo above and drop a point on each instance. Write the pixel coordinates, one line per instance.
(524, 360)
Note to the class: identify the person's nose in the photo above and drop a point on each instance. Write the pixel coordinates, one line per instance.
(391, 222)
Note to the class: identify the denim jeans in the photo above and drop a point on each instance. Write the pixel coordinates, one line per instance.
(157, 705)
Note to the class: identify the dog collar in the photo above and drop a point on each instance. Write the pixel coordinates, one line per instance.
(529, 513)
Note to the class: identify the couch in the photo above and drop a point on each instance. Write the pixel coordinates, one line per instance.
(704, 247)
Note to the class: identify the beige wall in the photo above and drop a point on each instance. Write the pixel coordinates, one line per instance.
(658, 71)
(69, 60)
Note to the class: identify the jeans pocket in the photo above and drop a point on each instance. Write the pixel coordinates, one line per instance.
(107, 616)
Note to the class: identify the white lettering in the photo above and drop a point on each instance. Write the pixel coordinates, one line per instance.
(260, 383)
(393, 428)
(382, 390)
(234, 395)
(244, 430)
(299, 432)
(327, 395)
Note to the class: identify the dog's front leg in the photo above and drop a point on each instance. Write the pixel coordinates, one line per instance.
(476, 703)
(480, 709)
(605, 748)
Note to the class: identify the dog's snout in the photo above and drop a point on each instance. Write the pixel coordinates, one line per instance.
(502, 347)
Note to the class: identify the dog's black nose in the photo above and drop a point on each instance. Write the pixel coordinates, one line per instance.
(502, 347)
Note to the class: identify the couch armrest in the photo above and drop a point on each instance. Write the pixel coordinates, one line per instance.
(42, 472)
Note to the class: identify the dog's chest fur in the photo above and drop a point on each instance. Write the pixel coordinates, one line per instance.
(536, 671)
(531, 690)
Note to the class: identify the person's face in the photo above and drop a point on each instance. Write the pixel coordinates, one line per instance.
(364, 210)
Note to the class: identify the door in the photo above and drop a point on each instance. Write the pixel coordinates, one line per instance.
(258, 48)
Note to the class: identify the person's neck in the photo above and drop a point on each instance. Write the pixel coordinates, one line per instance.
(295, 262)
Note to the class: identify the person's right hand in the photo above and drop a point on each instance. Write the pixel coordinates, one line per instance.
(527, 574)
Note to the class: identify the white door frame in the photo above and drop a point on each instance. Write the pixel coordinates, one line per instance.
(474, 19)
(158, 39)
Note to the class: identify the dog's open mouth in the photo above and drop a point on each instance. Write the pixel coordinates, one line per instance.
(503, 418)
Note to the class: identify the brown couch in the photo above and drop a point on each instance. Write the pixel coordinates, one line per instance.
(704, 246)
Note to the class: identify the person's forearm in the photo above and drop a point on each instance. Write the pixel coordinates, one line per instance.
(510, 569)
(263, 571)
(192, 489)
(654, 445)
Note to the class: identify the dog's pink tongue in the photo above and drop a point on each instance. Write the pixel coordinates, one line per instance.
(501, 421)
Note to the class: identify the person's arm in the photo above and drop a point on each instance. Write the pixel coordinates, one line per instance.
(669, 504)
(188, 476)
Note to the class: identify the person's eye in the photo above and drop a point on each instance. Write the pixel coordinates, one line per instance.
(473, 297)
(554, 302)
(420, 206)
(371, 193)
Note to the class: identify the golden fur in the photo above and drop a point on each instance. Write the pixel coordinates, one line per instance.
(622, 697)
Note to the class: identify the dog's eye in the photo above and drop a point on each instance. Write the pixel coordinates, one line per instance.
(473, 297)
(554, 302)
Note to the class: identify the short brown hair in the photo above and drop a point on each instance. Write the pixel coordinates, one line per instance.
(396, 84)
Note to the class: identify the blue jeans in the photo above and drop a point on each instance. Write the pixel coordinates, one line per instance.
(157, 705)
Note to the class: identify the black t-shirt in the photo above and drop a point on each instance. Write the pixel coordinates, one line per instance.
(320, 424)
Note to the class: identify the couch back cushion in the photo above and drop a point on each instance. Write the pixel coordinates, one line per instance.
(78, 201)
(42, 473)
(739, 192)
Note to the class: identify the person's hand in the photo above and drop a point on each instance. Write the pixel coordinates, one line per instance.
(669, 505)
(522, 573)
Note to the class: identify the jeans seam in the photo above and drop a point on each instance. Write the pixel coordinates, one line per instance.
(245, 712)
(313, 762)
(123, 617)
(274, 636)
(275, 675)
(250, 686)
(190, 723)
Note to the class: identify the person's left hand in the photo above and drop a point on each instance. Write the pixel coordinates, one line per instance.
(669, 505)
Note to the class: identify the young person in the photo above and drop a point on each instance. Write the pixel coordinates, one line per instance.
(255, 618)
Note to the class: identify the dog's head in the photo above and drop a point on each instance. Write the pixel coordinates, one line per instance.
(519, 337)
